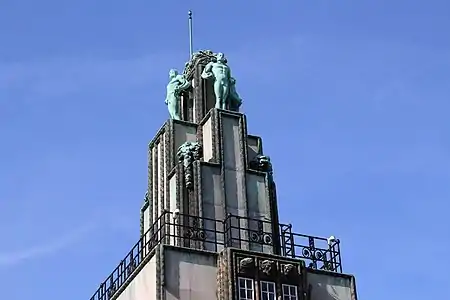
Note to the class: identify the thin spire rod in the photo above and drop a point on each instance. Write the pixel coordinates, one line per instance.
(191, 50)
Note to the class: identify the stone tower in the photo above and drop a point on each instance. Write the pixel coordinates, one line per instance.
(209, 223)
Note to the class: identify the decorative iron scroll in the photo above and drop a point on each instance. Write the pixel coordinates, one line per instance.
(320, 253)
(194, 232)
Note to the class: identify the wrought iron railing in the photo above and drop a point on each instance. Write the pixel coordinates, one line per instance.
(319, 253)
(215, 235)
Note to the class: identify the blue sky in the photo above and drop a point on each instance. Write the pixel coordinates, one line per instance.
(351, 99)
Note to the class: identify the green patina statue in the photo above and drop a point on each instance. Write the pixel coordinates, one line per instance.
(224, 84)
(176, 85)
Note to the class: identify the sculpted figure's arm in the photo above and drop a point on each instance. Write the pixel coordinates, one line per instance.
(182, 83)
(229, 75)
(207, 71)
(166, 101)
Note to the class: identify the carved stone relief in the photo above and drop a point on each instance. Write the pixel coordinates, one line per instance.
(187, 154)
(288, 269)
(268, 267)
(246, 264)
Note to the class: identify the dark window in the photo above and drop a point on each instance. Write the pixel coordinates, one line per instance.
(289, 292)
(268, 290)
(245, 286)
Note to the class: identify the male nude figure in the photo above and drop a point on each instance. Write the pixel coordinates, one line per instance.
(221, 73)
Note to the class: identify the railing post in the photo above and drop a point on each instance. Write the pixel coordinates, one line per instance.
(292, 244)
(288, 243)
(339, 255)
(283, 243)
(312, 249)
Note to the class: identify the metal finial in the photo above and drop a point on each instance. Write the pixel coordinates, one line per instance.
(191, 50)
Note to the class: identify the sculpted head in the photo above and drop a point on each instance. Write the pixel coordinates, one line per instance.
(220, 57)
(173, 73)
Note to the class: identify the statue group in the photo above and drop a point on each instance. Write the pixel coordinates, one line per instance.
(215, 70)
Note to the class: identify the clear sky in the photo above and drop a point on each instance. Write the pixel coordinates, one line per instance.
(351, 99)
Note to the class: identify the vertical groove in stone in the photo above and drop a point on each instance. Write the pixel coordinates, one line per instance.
(219, 155)
(190, 208)
(161, 173)
(156, 176)
(150, 182)
(190, 109)
(162, 265)
(197, 177)
(141, 223)
(172, 151)
(198, 93)
(167, 165)
(243, 147)
(183, 221)
(200, 135)
(191, 200)
(194, 106)
(193, 204)
(177, 229)
(186, 107)
(216, 136)
(182, 106)
(198, 196)
(196, 187)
